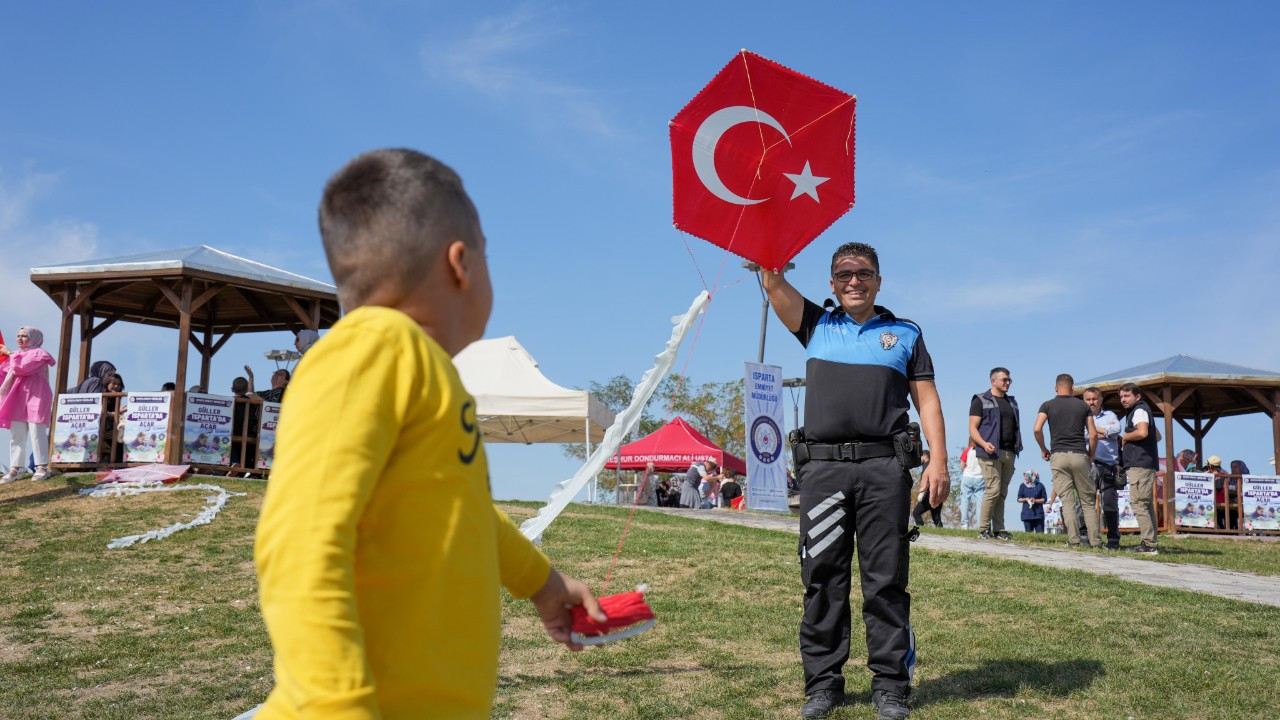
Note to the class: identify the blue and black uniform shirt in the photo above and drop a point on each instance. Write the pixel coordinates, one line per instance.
(858, 375)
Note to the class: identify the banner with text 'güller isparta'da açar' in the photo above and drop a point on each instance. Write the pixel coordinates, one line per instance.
(766, 464)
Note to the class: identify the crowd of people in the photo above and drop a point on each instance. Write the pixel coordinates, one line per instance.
(704, 486)
(1093, 454)
(26, 404)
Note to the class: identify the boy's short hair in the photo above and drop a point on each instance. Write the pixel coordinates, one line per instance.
(386, 216)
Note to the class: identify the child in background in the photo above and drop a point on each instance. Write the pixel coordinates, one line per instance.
(379, 550)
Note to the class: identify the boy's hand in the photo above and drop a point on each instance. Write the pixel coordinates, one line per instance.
(553, 601)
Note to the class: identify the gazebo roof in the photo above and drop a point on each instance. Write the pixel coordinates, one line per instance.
(1199, 387)
(229, 293)
(1188, 367)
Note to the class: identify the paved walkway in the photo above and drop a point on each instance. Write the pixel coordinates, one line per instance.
(1180, 576)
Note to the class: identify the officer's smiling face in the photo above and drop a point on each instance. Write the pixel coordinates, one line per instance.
(856, 295)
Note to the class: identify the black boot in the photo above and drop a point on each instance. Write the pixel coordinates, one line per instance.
(821, 703)
(890, 705)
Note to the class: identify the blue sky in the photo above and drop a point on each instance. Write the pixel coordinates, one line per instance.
(1053, 187)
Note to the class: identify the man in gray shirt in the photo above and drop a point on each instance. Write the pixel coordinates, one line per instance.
(1071, 456)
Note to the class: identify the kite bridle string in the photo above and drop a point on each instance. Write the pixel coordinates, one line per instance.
(626, 528)
(802, 128)
(695, 264)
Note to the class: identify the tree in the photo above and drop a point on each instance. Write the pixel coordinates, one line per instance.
(714, 409)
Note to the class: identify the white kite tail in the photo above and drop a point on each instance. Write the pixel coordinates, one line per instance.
(624, 423)
(213, 504)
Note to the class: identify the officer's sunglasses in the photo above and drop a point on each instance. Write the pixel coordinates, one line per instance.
(844, 277)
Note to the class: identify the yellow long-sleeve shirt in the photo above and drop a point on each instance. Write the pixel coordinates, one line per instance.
(379, 550)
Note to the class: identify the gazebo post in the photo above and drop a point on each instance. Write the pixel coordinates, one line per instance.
(206, 355)
(64, 340)
(178, 408)
(1198, 433)
(86, 339)
(1170, 462)
(1275, 426)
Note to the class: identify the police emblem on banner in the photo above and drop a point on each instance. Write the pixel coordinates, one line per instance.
(888, 340)
(766, 439)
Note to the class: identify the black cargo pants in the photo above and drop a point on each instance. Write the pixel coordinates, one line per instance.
(840, 501)
(1106, 476)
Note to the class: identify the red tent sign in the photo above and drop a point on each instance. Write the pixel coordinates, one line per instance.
(762, 160)
(673, 448)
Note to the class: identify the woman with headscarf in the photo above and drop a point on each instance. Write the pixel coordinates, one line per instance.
(100, 374)
(305, 339)
(25, 402)
(1033, 497)
(115, 408)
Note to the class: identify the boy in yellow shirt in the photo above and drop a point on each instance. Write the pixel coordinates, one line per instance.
(379, 550)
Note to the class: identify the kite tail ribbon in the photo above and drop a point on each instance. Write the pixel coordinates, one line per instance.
(213, 505)
(624, 423)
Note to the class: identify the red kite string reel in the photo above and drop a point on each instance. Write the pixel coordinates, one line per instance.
(628, 615)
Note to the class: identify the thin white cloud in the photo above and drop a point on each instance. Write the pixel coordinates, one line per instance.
(499, 59)
(1015, 298)
(30, 243)
(1082, 148)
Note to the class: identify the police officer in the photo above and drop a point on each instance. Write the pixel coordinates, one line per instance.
(863, 364)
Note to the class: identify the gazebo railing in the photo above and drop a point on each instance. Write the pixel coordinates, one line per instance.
(1230, 510)
(111, 441)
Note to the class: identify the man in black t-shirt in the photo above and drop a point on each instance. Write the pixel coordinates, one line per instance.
(997, 438)
(1071, 457)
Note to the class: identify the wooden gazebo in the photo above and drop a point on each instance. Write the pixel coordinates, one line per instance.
(205, 294)
(1195, 393)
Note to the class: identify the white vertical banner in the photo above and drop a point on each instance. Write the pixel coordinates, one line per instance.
(766, 463)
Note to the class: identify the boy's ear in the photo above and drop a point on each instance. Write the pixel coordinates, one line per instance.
(458, 258)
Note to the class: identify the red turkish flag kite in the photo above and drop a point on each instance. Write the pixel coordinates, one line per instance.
(762, 160)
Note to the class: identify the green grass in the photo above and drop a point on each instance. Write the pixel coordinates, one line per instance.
(171, 629)
(1252, 555)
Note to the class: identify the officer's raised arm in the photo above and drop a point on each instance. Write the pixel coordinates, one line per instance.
(788, 303)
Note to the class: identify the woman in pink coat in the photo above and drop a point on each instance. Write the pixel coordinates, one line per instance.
(25, 402)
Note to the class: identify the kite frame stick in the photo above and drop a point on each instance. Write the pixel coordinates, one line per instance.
(632, 631)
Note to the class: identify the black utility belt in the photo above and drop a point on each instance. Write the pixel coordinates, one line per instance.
(905, 446)
(847, 452)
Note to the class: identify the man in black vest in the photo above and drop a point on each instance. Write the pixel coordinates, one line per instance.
(996, 432)
(1140, 452)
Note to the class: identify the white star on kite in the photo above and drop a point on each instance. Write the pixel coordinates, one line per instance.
(806, 183)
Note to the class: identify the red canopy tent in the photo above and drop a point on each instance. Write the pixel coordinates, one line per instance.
(673, 448)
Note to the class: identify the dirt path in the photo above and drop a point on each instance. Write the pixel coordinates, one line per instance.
(1196, 578)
